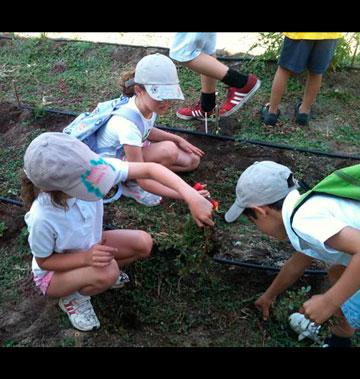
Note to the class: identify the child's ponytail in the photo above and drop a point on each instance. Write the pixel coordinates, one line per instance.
(127, 83)
(28, 191)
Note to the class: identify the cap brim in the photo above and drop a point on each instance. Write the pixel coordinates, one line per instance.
(233, 213)
(164, 92)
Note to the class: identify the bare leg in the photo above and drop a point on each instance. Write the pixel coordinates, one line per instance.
(342, 327)
(171, 156)
(87, 280)
(279, 86)
(131, 244)
(209, 66)
(312, 88)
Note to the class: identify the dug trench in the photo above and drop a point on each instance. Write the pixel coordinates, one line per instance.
(24, 318)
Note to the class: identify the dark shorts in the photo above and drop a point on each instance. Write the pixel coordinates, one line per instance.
(315, 55)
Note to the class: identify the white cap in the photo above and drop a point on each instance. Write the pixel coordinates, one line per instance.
(59, 162)
(262, 183)
(158, 74)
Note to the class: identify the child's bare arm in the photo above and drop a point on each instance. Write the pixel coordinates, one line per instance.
(320, 307)
(134, 154)
(292, 270)
(99, 255)
(200, 208)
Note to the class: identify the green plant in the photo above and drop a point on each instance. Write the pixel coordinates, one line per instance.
(3, 227)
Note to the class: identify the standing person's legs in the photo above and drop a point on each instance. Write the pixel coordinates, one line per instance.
(319, 60)
(195, 50)
(312, 88)
(278, 88)
(293, 58)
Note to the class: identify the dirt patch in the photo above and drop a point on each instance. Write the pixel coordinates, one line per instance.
(34, 320)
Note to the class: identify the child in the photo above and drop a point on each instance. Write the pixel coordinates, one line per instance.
(324, 227)
(154, 86)
(197, 52)
(313, 51)
(73, 258)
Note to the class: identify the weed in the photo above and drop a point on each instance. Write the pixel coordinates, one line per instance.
(3, 227)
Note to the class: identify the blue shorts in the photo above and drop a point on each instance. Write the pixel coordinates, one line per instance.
(351, 310)
(188, 46)
(315, 55)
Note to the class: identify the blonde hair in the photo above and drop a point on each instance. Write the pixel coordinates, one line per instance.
(127, 83)
(29, 192)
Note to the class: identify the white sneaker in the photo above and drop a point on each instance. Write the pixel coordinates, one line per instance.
(121, 280)
(80, 311)
(304, 327)
(133, 190)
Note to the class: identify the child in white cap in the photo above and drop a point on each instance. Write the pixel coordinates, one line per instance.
(324, 227)
(153, 87)
(73, 258)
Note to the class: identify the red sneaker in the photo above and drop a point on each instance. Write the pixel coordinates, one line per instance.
(237, 97)
(189, 113)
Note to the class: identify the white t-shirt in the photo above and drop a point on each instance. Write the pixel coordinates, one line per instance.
(318, 219)
(119, 131)
(54, 229)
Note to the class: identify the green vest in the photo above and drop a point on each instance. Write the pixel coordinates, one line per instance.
(343, 183)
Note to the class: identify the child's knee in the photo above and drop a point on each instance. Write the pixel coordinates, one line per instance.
(168, 153)
(145, 244)
(194, 162)
(107, 275)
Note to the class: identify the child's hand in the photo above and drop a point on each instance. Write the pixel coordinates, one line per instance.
(100, 255)
(263, 304)
(318, 309)
(189, 148)
(201, 188)
(201, 210)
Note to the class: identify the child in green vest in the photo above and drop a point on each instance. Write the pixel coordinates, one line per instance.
(324, 227)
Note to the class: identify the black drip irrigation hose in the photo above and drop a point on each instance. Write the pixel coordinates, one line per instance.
(235, 262)
(223, 58)
(215, 258)
(225, 138)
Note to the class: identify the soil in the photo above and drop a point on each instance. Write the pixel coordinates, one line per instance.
(28, 318)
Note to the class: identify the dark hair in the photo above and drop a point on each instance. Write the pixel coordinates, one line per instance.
(249, 212)
(127, 83)
(29, 192)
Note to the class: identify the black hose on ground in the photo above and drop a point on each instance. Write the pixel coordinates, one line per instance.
(225, 138)
(235, 262)
(11, 201)
(215, 258)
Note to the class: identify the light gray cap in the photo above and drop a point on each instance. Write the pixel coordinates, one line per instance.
(262, 183)
(158, 74)
(58, 162)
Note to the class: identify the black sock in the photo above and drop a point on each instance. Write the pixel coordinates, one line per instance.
(234, 79)
(207, 101)
(336, 341)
